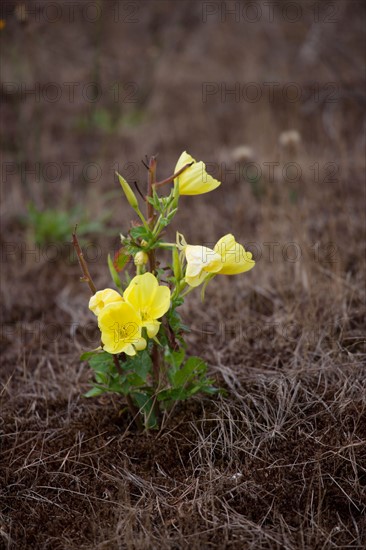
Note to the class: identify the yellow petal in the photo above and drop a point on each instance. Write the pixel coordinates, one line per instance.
(201, 258)
(148, 297)
(235, 258)
(160, 303)
(194, 180)
(184, 159)
(152, 328)
(129, 350)
(197, 279)
(120, 325)
(141, 290)
(226, 242)
(103, 298)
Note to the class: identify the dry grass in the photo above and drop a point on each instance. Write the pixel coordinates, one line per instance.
(279, 462)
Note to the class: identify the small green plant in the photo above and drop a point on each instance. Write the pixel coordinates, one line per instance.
(54, 226)
(143, 350)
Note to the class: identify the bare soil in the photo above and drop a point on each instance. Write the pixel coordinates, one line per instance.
(279, 462)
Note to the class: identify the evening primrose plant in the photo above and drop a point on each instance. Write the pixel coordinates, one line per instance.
(142, 354)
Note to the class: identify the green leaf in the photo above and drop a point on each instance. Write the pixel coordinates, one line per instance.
(140, 232)
(135, 381)
(94, 392)
(177, 302)
(135, 371)
(145, 403)
(140, 364)
(171, 214)
(156, 201)
(173, 394)
(211, 390)
(153, 245)
(193, 390)
(102, 378)
(160, 273)
(174, 320)
(120, 259)
(53, 225)
(175, 359)
(132, 249)
(102, 362)
(162, 337)
(119, 385)
(192, 367)
(88, 354)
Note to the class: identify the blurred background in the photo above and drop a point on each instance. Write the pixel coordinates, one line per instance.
(269, 94)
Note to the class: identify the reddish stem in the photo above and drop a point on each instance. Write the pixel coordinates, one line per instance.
(83, 266)
(172, 178)
(150, 182)
(150, 209)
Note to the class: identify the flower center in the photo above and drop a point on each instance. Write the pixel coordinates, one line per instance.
(124, 332)
(144, 314)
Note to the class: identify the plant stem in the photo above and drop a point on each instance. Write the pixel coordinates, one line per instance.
(140, 215)
(187, 291)
(152, 265)
(172, 178)
(155, 355)
(150, 209)
(167, 245)
(150, 182)
(132, 407)
(83, 266)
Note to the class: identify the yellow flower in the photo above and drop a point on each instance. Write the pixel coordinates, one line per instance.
(200, 261)
(103, 298)
(120, 325)
(149, 299)
(234, 257)
(194, 180)
(227, 258)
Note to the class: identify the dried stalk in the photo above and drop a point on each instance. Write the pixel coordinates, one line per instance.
(83, 266)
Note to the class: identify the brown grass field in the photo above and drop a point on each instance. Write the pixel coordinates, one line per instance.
(279, 462)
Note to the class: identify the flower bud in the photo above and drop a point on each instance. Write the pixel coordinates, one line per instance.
(130, 195)
(141, 258)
